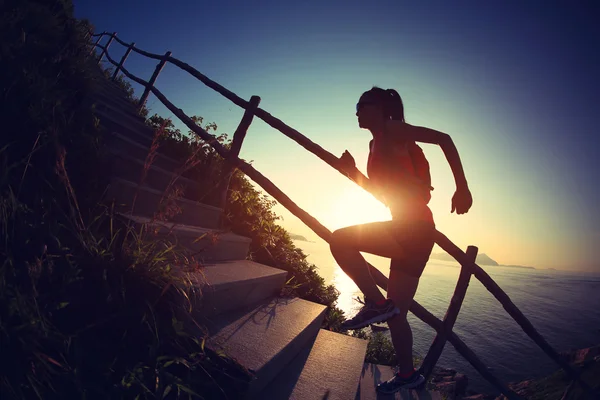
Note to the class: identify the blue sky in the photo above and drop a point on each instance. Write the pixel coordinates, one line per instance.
(514, 85)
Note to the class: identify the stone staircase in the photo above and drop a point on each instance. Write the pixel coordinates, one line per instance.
(278, 339)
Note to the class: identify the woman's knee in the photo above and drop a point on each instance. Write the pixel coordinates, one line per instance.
(340, 239)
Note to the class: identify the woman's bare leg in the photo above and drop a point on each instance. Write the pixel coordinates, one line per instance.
(375, 238)
(382, 239)
(402, 289)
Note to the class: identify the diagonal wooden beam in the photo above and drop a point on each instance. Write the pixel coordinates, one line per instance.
(436, 348)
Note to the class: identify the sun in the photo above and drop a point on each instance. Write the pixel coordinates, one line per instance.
(356, 206)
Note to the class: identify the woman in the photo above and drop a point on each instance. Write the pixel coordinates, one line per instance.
(400, 172)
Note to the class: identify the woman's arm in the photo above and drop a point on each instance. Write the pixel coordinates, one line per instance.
(462, 199)
(426, 135)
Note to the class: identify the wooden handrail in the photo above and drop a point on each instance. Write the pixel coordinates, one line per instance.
(467, 261)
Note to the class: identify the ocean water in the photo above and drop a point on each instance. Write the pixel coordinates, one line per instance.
(563, 307)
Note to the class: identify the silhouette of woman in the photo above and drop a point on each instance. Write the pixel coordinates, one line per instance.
(400, 172)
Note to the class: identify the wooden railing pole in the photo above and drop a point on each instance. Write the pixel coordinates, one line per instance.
(122, 61)
(105, 50)
(159, 68)
(436, 348)
(95, 44)
(234, 152)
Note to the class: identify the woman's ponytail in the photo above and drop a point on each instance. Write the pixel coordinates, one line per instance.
(395, 105)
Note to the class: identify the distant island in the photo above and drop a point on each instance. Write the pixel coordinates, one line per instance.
(517, 266)
(482, 259)
(294, 236)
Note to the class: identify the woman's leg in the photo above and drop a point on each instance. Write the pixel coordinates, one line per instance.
(409, 246)
(375, 238)
(401, 289)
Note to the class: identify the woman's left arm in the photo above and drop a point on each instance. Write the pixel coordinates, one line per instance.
(462, 200)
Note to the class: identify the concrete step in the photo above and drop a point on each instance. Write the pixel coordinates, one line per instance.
(123, 118)
(109, 94)
(230, 285)
(373, 374)
(121, 115)
(132, 169)
(267, 337)
(207, 245)
(118, 105)
(138, 149)
(115, 99)
(329, 368)
(138, 132)
(147, 202)
(103, 83)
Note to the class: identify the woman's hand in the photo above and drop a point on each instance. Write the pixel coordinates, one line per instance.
(462, 201)
(347, 160)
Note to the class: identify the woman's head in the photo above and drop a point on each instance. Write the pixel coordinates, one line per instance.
(377, 105)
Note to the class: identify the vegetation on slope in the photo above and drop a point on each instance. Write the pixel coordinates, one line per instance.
(88, 306)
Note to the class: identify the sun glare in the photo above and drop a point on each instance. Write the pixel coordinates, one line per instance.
(356, 206)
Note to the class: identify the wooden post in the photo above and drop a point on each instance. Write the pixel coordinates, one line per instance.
(105, 50)
(123, 60)
(96, 44)
(234, 152)
(436, 348)
(159, 68)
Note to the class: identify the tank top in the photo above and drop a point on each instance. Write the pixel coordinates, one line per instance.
(390, 167)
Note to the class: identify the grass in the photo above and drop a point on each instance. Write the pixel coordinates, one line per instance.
(380, 349)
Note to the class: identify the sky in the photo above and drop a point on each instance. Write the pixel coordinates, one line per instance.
(515, 85)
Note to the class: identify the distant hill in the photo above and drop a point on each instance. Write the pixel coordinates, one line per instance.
(294, 236)
(518, 266)
(482, 258)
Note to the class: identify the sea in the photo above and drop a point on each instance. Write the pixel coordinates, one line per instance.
(564, 307)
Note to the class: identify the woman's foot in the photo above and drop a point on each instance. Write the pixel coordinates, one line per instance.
(371, 313)
(398, 382)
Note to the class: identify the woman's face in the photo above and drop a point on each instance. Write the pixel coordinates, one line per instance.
(368, 111)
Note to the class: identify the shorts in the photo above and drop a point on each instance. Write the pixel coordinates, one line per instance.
(417, 240)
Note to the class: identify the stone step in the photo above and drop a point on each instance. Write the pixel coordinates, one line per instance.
(107, 84)
(101, 93)
(137, 132)
(230, 285)
(124, 119)
(373, 374)
(113, 98)
(147, 201)
(328, 368)
(132, 169)
(207, 245)
(138, 149)
(267, 337)
(118, 105)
